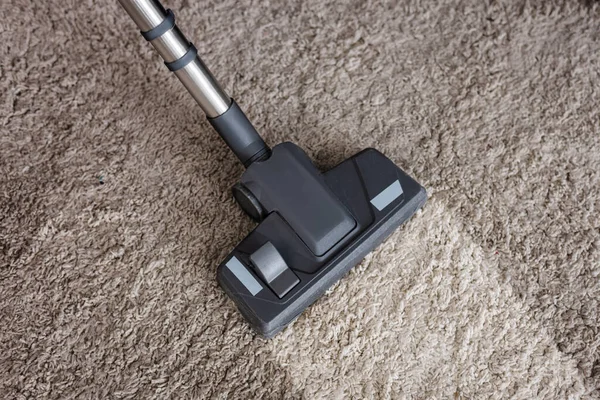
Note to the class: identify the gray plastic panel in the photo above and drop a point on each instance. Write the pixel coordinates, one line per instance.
(289, 184)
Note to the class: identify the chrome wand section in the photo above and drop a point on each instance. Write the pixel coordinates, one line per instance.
(157, 26)
(180, 56)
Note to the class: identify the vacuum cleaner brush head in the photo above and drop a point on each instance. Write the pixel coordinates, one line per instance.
(316, 228)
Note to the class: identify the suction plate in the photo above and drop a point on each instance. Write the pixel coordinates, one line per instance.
(277, 271)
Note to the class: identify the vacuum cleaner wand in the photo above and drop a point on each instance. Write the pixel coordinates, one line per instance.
(313, 226)
(157, 26)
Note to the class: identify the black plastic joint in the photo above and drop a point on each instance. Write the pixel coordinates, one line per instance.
(239, 134)
(168, 23)
(187, 58)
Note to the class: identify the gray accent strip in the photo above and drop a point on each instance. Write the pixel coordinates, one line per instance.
(187, 58)
(389, 194)
(240, 272)
(160, 30)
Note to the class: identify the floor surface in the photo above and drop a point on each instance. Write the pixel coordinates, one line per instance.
(115, 207)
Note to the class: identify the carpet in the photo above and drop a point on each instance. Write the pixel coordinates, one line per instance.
(115, 204)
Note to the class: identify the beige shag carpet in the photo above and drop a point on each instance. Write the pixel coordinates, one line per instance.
(115, 207)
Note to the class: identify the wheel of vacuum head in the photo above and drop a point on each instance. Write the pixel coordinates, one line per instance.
(248, 202)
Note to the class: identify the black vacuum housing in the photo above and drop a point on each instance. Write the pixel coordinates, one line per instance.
(313, 229)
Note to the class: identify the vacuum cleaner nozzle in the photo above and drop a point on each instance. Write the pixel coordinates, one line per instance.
(315, 228)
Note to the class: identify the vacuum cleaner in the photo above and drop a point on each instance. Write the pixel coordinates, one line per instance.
(313, 226)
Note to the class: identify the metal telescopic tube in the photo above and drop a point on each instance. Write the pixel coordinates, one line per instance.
(172, 45)
(157, 26)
